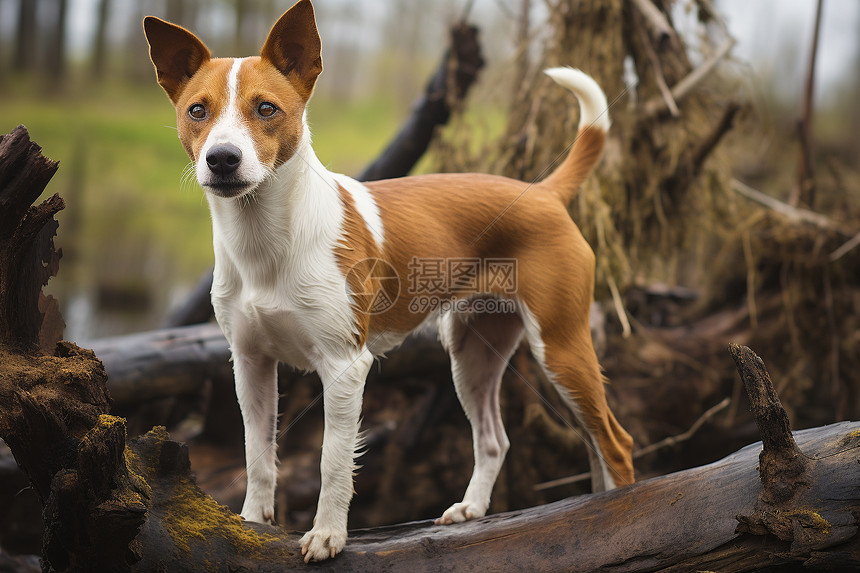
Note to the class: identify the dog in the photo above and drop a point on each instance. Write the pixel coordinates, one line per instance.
(325, 273)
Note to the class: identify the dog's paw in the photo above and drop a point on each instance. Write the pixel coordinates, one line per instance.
(321, 543)
(259, 514)
(460, 512)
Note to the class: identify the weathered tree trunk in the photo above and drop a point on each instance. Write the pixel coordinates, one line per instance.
(28, 319)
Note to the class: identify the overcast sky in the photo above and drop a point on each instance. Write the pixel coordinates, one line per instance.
(773, 35)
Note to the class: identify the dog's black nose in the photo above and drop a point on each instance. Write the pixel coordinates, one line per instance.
(223, 159)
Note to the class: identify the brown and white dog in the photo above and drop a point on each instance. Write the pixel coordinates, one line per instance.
(311, 266)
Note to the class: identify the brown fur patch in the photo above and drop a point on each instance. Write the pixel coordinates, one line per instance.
(583, 156)
(357, 255)
(208, 87)
(462, 216)
(275, 137)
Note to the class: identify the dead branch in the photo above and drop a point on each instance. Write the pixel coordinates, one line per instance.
(794, 214)
(675, 440)
(658, 71)
(805, 175)
(846, 247)
(660, 28)
(197, 306)
(656, 105)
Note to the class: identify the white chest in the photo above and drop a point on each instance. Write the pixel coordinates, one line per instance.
(278, 287)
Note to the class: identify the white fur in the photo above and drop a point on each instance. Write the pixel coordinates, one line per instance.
(229, 128)
(365, 204)
(279, 295)
(592, 101)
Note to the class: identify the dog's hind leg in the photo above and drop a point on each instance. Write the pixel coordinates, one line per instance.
(567, 357)
(480, 346)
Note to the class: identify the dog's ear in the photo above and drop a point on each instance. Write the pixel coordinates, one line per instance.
(176, 53)
(293, 47)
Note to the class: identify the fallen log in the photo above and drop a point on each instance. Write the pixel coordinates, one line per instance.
(140, 502)
(161, 363)
(173, 361)
(682, 521)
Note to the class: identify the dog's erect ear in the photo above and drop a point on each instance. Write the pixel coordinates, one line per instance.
(176, 53)
(293, 47)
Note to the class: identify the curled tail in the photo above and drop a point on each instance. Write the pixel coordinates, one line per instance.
(588, 146)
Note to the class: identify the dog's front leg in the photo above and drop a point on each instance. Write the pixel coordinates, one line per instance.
(257, 390)
(343, 387)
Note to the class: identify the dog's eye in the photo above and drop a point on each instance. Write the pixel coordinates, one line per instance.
(197, 111)
(267, 109)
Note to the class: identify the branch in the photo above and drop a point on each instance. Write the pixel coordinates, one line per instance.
(657, 22)
(846, 247)
(794, 214)
(675, 440)
(805, 176)
(450, 83)
(682, 88)
(658, 71)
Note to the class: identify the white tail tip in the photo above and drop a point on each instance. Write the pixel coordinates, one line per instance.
(593, 109)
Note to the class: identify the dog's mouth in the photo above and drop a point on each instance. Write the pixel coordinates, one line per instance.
(229, 189)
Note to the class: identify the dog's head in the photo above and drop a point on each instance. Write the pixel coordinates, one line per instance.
(238, 118)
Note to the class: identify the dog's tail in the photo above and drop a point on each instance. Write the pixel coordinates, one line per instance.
(564, 182)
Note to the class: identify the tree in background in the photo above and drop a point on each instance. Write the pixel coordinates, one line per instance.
(55, 63)
(99, 53)
(25, 36)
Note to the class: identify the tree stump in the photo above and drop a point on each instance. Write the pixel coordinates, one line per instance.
(28, 318)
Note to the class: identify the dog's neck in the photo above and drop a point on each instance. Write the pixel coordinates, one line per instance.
(293, 214)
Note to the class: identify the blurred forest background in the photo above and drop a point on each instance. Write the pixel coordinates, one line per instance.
(76, 73)
(723, 221)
